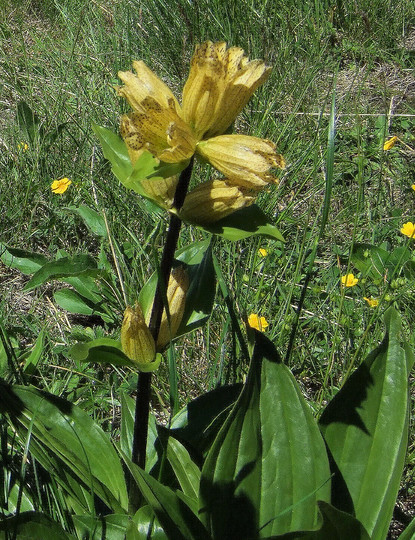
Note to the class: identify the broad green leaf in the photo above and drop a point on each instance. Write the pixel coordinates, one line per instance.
(145, 525)
(146, 166)
(111, 527)
(333, 524)
(268, 466)
(366, 429)
(185, 469)
(92, 219)
(409, 532)
(101, 350)
(250, 221)
(197, 424)
(369, 259)
(109, 351)
(69, 433)
(73, 302)
(63, 267)
(24, 261)
(16, 497)
(29, 123)
(201, 294)
(115, 151)
(32, 526)
(175, 516)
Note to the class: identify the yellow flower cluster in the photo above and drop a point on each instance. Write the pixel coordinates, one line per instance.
(220, 83)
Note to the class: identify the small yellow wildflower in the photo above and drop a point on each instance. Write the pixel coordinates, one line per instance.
(60, 186)
(408, 229)
(263, 252)
(373, 302)
(257, 322)
(349, 280)
(22, 146)
(413, 187)
(390, 143)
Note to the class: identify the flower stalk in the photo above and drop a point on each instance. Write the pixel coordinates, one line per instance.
(142, 409)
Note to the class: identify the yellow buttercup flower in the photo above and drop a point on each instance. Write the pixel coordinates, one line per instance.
(219, 85)
(263, 252)
(257, 322)
(390, 143)
(60, 186)
(408, 229)
(413, 187)
(213, 200)
(372, 302)
(349, 280)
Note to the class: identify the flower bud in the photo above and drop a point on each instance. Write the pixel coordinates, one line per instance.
(136, 339)
(212, 201)
(176, 297)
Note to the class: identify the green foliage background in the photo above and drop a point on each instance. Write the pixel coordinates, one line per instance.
(61, 59)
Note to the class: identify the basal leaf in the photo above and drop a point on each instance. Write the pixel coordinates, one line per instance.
(110, 527)
(92, 219)
(268, 465)
(69, 433)
(175, 516)
(24, 261)
(63, 267)
(32, 526)
(366, 429)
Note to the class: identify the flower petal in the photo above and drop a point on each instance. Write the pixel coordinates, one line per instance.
(219, 85)
(244, 160)
(156, 124)
(212, 201)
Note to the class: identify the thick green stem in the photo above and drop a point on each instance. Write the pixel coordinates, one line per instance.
(142, 409)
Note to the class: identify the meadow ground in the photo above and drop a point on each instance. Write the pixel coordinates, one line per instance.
(58, 68)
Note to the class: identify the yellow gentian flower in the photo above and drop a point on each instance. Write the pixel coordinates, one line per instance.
(372, 302)
(257, 322)
(220, 83)
(176, 297)
(408, 229)
(349, 280)
(60, 186)
(213, 200)
(390, 143)
(136, 339)
(244, 160)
